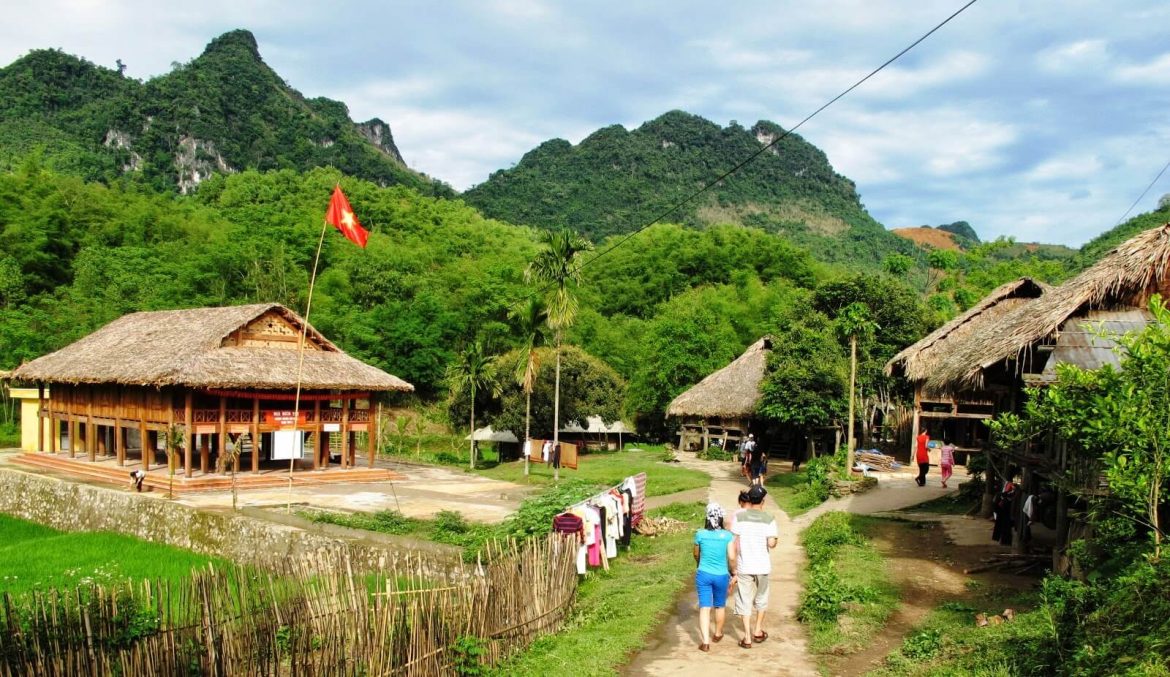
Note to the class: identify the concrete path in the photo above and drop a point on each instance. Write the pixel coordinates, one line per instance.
(674, 649)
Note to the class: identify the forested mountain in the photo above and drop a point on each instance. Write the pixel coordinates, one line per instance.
(225, 111)
(615, 180)
(1099, 246)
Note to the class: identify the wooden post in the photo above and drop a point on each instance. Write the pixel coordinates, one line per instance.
(119, 440)
(204, 453)
(188, 438)
(914, 425)
(370, 446)
(71, 425)
(255, 434)
(144, 437)
(317, 435)
(90, 437)
(375, 433)
(40, 417)
(344, 433)
(222, 448)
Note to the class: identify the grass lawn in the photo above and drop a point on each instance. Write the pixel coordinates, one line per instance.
(789, 490)
(951, 504)
(607, 469)
(949, 643)
(615, 610)
(37, 557)
(848, 593)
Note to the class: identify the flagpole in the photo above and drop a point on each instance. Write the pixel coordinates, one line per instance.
(301, 365)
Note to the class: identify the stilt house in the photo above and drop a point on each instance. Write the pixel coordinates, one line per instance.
(722, 405)
(217, 375)
(987, 356)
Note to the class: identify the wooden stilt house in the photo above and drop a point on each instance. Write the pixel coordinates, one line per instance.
(217, 375)
(994, 355)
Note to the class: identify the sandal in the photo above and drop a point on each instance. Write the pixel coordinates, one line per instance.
(704, 647)
(745, 644)
(716, 638)
(760, 637)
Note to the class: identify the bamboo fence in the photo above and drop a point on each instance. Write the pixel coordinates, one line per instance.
(317, 616)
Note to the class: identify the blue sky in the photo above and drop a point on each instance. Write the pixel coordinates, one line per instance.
(1039, 119)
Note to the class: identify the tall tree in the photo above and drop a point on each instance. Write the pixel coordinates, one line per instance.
(529, 318)
(557, 268)
(853, 323)
(473, 370)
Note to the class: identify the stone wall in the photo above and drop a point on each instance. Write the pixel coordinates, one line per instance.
(71, 506)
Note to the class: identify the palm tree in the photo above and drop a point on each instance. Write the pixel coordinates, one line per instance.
(473, 370)
(529, 317)
(558, 268)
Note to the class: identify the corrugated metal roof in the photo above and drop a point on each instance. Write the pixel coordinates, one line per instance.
(1082, 341)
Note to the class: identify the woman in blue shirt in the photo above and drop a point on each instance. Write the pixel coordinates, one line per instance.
(715, 556)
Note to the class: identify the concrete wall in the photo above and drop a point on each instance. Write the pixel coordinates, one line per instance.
(78, 507)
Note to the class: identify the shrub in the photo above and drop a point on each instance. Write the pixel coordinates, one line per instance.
(716, 454)
(826, 533)
(923, 644)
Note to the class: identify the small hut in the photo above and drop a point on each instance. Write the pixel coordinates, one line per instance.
(506, 443)
(595, 434)
(721, 406)
(215, 374)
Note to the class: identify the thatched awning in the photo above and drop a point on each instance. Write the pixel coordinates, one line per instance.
(922, 359)
(191, 348)
(1126, 277)
(731, 392)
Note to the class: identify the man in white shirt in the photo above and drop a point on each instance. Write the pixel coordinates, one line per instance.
(756, 534)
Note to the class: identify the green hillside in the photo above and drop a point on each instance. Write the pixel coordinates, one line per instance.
(616, 180)
(1099, 246)
(225, 111)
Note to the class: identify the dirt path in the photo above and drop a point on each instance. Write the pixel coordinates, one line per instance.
(673, 650)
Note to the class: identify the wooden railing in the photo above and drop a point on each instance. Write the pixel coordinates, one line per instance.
(329, 415)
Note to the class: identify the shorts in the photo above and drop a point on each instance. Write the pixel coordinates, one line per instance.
(751, 591)
(712, 589)
(758, 469)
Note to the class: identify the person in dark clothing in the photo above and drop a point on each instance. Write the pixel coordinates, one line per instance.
(1003, 513)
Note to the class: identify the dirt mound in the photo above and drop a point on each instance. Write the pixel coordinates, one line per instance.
(929, 237)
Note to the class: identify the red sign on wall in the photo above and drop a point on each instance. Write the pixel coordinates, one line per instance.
(285, 419)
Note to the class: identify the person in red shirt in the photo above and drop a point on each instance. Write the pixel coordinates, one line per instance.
(922, 456)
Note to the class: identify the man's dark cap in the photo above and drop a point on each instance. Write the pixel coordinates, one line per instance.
(756, 495)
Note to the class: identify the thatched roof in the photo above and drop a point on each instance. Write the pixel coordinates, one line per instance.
(731, 392)
(487, 434)
(1125, 277)
(922, 359)
(191, 348)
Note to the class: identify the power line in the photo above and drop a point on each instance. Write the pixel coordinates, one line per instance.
(702, 189)
(1139, 199)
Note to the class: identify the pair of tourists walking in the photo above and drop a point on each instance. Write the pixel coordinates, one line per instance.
(754, 461)
(922, 457)
(735, 560)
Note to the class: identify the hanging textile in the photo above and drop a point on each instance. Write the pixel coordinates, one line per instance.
(568, 456)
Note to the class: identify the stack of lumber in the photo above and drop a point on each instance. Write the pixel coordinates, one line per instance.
(876, 461)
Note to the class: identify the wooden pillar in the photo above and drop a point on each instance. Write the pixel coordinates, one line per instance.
(40, 417)
(188, 438)
(373, 429)
(144, 436)
(344, 433)
(914, 425)
(317, 435)
(119, 441)
(71, 424)
(90, 436)
(222, 447)
(255, 434)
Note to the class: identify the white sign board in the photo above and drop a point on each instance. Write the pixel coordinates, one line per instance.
(331, 427)
(287, 444)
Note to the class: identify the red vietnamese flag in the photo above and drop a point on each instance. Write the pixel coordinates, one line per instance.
(341, 216)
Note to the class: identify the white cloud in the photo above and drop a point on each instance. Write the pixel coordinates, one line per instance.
(1075, 57)
(883, 147)
(1066, 168)
(1155, 72)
